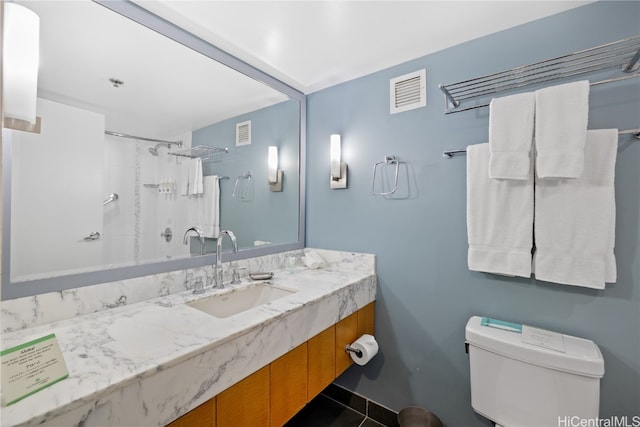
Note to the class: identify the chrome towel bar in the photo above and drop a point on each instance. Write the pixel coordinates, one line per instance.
(633, 132)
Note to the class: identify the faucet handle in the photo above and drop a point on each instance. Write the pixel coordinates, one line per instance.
(198, 286)
(236, 274)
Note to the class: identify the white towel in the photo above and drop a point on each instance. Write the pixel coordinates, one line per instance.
(187, 173)
(511, 136)
(204, 210)
(499, 218)
(561, 126)
(190, 169)
(195, 181)
(575, 219)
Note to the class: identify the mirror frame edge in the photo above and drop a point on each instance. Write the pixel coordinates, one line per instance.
(12, 290)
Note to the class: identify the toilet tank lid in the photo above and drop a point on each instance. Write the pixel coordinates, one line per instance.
(580, 356)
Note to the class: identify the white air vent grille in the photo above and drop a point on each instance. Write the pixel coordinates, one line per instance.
(243, 133)
(408, 92)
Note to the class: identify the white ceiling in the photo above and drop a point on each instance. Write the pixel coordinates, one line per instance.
(312, 45)
(168, 89)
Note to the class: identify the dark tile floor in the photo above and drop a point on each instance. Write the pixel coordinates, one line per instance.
(337, 407)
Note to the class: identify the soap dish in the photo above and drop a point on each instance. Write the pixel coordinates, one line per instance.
(261, 276)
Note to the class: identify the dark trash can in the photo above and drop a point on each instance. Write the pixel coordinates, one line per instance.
(414, 416)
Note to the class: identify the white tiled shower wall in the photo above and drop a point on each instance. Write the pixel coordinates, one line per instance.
(134, 223)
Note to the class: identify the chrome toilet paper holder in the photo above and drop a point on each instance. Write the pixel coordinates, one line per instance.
(355, 351)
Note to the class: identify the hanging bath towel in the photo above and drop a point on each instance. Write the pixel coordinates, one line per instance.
(499, 218)
(575, 219)
(511, 136)
(561, 129)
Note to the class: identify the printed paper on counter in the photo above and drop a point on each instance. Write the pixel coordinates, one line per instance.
(30, 367)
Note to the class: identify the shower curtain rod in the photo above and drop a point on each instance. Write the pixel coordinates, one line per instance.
(450, 153)
(124, 135)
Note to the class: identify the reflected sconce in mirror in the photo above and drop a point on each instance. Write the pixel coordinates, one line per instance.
(275, 174)
(338, 167)
(20, 58)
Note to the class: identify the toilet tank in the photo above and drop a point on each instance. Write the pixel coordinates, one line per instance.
(514, 383)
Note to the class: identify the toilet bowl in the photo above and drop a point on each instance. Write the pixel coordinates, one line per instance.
(519, 384)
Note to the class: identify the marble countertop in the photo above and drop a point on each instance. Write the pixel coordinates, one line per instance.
(148, 363)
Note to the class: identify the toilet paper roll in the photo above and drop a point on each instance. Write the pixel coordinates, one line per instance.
(365, 348)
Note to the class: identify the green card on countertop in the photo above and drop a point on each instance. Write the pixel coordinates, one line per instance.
(30, 367)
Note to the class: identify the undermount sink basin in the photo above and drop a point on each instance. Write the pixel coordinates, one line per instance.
(240, 300)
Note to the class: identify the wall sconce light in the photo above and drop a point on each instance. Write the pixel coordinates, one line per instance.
(275, 174)
(338, 167)
(21, 51)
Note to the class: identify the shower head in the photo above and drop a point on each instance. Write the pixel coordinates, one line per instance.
(154, 150)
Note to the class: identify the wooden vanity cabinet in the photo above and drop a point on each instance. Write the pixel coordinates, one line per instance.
(346, 333)
(348, 330)
(365, 320)
(275, 393)
(246, 403)
(288, 385)
(321, 361)
(202, 416)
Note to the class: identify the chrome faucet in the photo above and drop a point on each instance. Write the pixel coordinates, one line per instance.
(217, 272)
(196, 230)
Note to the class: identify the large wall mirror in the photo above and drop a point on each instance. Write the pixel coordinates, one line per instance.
(146, 131)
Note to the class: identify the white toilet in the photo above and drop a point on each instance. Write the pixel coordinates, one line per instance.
(517, 384)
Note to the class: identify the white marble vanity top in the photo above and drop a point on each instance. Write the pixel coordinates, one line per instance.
(149, 362)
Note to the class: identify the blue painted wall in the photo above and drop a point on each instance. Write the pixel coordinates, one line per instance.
(426, 293)
(267, 216)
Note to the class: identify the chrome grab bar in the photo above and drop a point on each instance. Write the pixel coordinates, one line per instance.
(112, 198)
(92, 236)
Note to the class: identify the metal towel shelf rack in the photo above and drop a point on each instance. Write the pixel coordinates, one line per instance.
(200, 151)
(622, 54)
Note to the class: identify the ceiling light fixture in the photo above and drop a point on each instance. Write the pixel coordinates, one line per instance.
(21, 51)
(116, 82)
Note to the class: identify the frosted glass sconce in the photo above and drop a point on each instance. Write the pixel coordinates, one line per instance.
(20, 59)
(338, 167)
(275, 174)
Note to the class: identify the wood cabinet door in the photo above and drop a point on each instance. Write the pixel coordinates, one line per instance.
(288, 385)
(322, 361)
(365, 320)
(245, 404)
(346, 333)
(202, 416)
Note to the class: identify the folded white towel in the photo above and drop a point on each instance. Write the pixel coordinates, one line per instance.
(210, 221)
(499, 218)
(575, 219)
(195, 183)
(187, 172)
(203, 210)
(561, 126)
(511, 136)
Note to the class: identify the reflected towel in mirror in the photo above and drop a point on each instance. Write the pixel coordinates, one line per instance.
(204, 209)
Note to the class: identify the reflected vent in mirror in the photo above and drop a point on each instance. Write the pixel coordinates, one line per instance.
(243, 133)
(408, 92)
